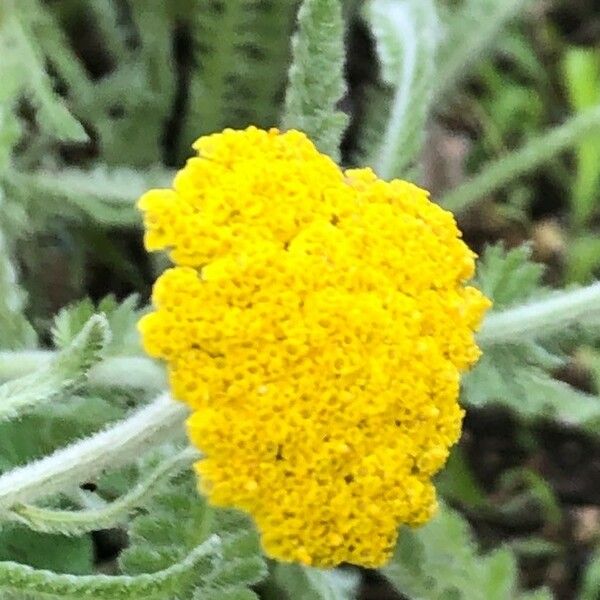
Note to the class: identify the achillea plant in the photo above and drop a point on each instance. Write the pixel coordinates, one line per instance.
(317, 321)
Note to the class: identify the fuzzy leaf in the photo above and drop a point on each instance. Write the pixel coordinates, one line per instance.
(42, 551)
(502, 378)
(316, 78)
(242, 54)
(178, 519)
(406, 36)
(129, 127)
(122, 318)
(509, 277)
(77, 522)
(101, 195)
(15, 330)
(21, 51)
(440, 561)
(168, 583)
(51, 426)
(67, 371)
(515, 373)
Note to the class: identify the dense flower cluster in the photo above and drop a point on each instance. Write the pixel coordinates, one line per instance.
(316, 322)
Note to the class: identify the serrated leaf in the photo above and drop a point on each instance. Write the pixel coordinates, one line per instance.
(66, 372)
(316, 78)
(169, 583)
(406, 35)
(122, 318)
(516, 373)
(242, 54)
(508, 276)
(440, 561)
(179, 518)
(501, 379)
(135, 493)
(22, 52)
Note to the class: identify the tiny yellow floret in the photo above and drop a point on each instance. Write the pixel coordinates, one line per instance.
(316, 321)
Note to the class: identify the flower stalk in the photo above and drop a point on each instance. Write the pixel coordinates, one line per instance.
(542, 317)
(76, 522)
(119, 371)
(118, 445)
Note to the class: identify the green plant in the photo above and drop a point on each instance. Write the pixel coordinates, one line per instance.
(582, 80)
(80, 141)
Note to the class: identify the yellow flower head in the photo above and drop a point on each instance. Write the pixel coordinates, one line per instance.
(316, 322)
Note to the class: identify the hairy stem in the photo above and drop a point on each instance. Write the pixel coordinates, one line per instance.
(127, 371)
(120, 444)
(168, 582)
(542, 317)
(76, 522)
(539, 150)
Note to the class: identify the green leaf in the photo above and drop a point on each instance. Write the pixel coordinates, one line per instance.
(590, 587)
(440, 561)
(51, 426)
(582, 78)
(457, 483)
(471, 32)
(515, 372)
(43, 551)
(509, 277)
(66, 372)
(77, 522)
(536, 547)
(138, 41)
(316, 78)
(22, 53)
(503, 378)
(162, 585)
(15, 330)
(179, 518)
(121, 317)
(101, 195)
(583, 257)
(242, 54)
(306, 583)
(406, 35)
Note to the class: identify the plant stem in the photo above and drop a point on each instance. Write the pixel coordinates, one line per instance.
(120, 444)
(166, 583)
(544, 316)
(127, 371)
(77, 522)
(537, 151)
(18, 363)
